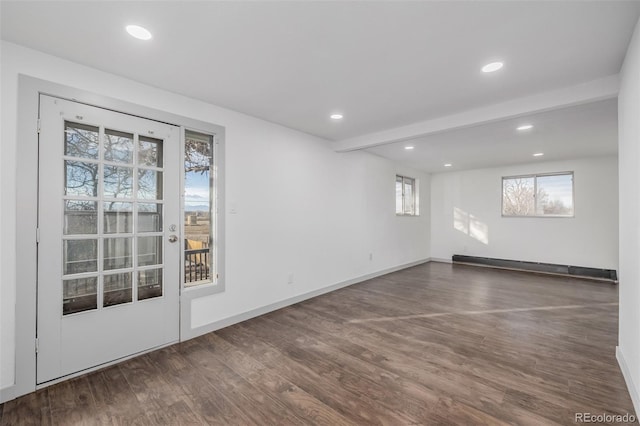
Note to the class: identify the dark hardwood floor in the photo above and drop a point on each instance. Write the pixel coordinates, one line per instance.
(433, 344)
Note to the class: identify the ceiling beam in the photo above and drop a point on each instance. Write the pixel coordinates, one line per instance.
(596, 90)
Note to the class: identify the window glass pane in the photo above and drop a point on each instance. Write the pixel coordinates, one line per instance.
(518, 196)
(118, 182)
(149, 185)
(79, 295)
(118, 217)
(80, 217)
(555, 195)
(118, 146)
(117, 289)
(399, 208)
(81, 179)
(80, 140)
(149, 152)
(117, 253)
(198, 161)
(149, 217)
(409, 196)
(149, 251)
(80, 256)
(149, 283)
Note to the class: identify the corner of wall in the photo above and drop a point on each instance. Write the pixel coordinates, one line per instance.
(633, 390)
(628, 351)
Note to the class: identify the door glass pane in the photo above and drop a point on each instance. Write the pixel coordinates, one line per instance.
(555, 195)
(518, 196)
(117, 289)
(113, 214)
(149, 185)
(149, 217)
(118, 182)
(149, 283)
(198, 193)
(80, 256)
(79, 295)
(149, 152)
(117, 253)
(81, 179)
(118, 146)
(80, 217)
(149, 251)
(80, 140)
(118, 217)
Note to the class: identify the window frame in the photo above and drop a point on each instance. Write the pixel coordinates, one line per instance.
(414, 196)
(535, 177)
(218, 283)
(214, 189)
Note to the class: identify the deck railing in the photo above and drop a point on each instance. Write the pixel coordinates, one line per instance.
(196, 265)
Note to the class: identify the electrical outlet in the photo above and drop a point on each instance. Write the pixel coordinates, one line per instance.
(290, 278)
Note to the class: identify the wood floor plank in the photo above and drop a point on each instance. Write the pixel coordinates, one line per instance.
(234, 387)
(433, 344)
(115, 401)
(148, 384)
(72, 402)
(301, 402)
(347, 395)
(178, 413)
(208, 401)
(32, 409)
(416, 376)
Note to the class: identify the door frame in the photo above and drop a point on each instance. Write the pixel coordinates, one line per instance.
(29, 91)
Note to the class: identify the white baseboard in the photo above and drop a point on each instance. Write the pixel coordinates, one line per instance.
(7, 393)
(631, 387)
(217, 325)
(440, 260)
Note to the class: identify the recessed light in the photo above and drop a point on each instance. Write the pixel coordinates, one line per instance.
(525, 127)
(538, 154)
(448, 165)
(138, 32)
(408, 148)
(493, 66)
(336, 116)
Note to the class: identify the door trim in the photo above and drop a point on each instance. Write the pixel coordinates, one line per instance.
(29, 91)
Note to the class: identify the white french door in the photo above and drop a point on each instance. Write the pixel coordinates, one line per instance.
(109, 249)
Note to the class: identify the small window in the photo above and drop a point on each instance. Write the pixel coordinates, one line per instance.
(199, 208)
(406, 196)
(548, 195)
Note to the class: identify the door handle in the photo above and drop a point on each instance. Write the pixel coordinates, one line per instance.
(173, 238)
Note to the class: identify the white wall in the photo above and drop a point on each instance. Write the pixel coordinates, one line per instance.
(477, 228)
(301, 208)
(629, 176)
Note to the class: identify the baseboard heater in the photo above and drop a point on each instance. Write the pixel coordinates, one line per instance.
(546, 268)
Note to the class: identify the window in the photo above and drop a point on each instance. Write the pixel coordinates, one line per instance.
(406, 196)
(544, 195)
(198, 209)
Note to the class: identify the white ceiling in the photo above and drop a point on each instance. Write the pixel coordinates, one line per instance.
(382, 64)
(581, 131)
